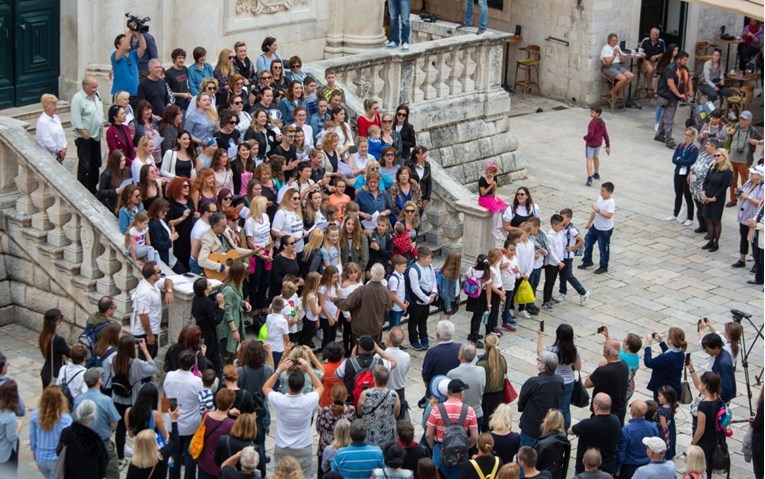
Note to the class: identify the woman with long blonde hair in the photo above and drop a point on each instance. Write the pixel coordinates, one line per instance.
(202, 121)
(354, 245)
(312, 255)
(148, 462)
(45, 428)
(715, 185)
(224, 68)
(341, 437)
(506, 442)
(695, 463)
(257, 231)
(496, 367)
(143, 156)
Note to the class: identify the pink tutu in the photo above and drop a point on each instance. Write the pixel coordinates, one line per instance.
(493, 204)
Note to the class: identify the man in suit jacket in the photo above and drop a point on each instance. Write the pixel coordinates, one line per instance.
(216, 240)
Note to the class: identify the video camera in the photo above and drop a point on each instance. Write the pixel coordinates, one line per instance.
(140, 23)
(739, 315)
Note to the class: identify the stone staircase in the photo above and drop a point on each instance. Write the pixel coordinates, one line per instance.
(28, 115)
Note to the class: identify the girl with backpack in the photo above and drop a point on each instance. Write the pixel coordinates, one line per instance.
(485, 464)
(127, 373)
(478, 290)
(106, 350)
(449, 286)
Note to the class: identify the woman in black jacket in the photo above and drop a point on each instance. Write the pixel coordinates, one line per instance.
(86, 456)
(109, 184)
(553, 447)
(406, 130)
(716, 184)
(420, 167)
(208, 312)
(163, 235)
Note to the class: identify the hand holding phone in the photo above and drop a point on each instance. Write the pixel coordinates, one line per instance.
(542, 325)
(688, 359)
(601, 329)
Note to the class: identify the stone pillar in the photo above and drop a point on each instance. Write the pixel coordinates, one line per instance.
(355, 28)
(477, 226)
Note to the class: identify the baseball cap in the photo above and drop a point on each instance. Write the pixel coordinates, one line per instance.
(367, 343)
(457, 386)
(655, 444)
(758, 170)
(746, 115)
(209, 141)
(92, 375)
(439, 387)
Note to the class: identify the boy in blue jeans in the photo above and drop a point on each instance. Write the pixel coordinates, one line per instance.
(397, 288)
(600, 226)
(573, 241)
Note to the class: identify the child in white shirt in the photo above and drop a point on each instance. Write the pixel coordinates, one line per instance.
(510, 273)
(137, 241)
(278, 329)
(554, 261)
(397, 287)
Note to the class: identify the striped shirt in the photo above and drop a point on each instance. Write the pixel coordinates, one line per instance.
(357, 461)
(206, 401)
(43, 443)
(453, 408)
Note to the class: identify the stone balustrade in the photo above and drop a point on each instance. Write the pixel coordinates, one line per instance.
(62, 249)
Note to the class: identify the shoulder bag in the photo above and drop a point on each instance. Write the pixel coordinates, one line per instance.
(686, 397)
(579, 396)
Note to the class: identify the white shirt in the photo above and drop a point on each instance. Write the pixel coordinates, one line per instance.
(199, 230)
(601, 222)
(608, 51)
(569, 239)
(308, 134)
(147, 299)
(50, 133)
(312, 300)
(74, 375)
(525, 254)
(340, 371)
(135, 167)
(522, 210)
(293, 413)
(397, 378)
(397, 285)
(289, 222)
(293, 307)
(185, 387)
(330, 306)
(277, 328)
(259, 231)
(496, 276)
(508, 277)
(555, 241)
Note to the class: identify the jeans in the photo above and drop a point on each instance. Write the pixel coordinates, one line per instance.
(565, 403)
(526, 440)
(712, 94)
(483, 19)
(47, 468)
(603, 239)
(507, 307)
(395, 318)
(182, 456)
(402, 9)
(447, 472)
(567, 276)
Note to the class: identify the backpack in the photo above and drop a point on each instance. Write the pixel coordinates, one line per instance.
(88, 339)
(580, 250)
(439, 280)
(363, 379)
(723, 420)
(96, 361)
(65, 388)
(454, 445)
(258, 400)
(472, 286)
(478, 470)
(121, 384)
(409, 295)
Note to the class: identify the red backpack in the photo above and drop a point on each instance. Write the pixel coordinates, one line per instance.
(363, 379)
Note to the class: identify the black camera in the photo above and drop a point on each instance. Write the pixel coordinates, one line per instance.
(739, 150)
(739, 315)
(140, 23)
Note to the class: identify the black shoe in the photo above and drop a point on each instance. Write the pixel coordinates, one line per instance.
(480, 336)
(479, 345)
(713, 248)
(738, 264)
(601, 270)
(533, 312)
(751, 281)
(422, 402)
(585, 265)
(632, 104)
(753, 270)
(708, 245)
(671, 144)
(707, 236)
(660, 138)
(700, 230)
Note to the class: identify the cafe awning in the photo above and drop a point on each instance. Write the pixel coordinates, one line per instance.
(750, 8)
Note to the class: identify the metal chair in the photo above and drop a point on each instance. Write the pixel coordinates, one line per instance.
(531, 62)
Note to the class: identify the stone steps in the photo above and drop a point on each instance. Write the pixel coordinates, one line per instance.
(28, 115)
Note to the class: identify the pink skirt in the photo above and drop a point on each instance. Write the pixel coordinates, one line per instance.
(495, 205)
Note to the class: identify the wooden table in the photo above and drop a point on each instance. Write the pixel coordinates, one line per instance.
(632, 57)
(741, 77)
(736, 41)
(514, 39)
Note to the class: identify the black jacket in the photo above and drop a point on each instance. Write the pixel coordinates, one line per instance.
(208, 316)
(426, 182)
(408, 141)
(538, 395)
(160, 240)
(553, 452)
(86, 456)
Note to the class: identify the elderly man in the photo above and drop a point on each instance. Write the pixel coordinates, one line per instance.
(147, 306)
(538, 395)
(472, 375)
(744, 140)
(105, 418)
(154, 89)
(443, 357)
(658, 467)
(592, 463)
(612, 57)
(653, 47)
(87, 113)
(397, 380)
(368, 305)
(85, 452)
(248, 461)
(216, 240)
(611, 377)
(601, 431)
(630, 452)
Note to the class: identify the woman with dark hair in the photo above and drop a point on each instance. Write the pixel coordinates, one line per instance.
(278, 82)
(388, 135)
(287, 262)
(258, 366)
(343, 132)
(225, 200)
(106, 350)
(162, 235)
(293, 98)
(406, 130)
(180, 216)
(404, 189)
(261, 132)
(667, 367)
(569, 361)
(148, 185)
(10, 427)
(669, 56)
(394, 456)
(268, 47)
(237, 106)
(420, 167)
(705, 433)
(190, 338)
(146, 125)
(371, 116)
(221, 166)
(144, 413)
(235, 88)
(180, 161)
(118, 134)
(170, 127)
(234, 308)
(522, 208)
(208, 311)
(110, 182)
(52, 346)
(243, 167)
(264, 176)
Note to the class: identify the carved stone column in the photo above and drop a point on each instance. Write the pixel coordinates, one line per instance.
(477, 221)
(356, 26)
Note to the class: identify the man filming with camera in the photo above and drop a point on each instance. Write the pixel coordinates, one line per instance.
(744, 140)
(125, 61)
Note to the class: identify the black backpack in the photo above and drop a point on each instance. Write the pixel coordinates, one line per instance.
(121, 384)
(454, 445)
(65, 388)
(88, 339)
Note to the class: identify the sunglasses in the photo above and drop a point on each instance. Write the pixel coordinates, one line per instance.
(295, 66)
(265, 77)
(238, 103)
(401, 113)
(375, 168)
(408, 211)
(211, 88)
(717, 155)
(291, 243)
(520, 194)
(295, 198)
(231, 57)
(387, 121)
(389, 154)
(186, 186)
(277, 68)
(228, 198)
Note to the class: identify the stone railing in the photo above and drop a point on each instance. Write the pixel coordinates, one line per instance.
(62, 248)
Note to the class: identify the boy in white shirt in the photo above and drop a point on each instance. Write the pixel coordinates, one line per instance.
(572, 240)
(554, 261)
(524, 251)
(600, 226)
(293, 307)
(278, 329)
(397, 287)
(510, 273)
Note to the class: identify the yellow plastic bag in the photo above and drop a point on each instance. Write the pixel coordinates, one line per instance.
(524, 294)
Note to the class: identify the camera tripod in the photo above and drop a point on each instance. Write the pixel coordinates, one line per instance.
(739, 316)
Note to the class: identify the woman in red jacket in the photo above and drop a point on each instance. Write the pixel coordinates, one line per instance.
(118, 135)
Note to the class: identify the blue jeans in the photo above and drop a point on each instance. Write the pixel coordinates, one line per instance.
(603, 239)
(567, 276)
(47, 468)
(402, 9)
(526, 440)
(484, 17)
(194, 266)
(448, 472)
(395, 318)
(565, 403)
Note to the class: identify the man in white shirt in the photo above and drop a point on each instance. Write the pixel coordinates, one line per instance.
(147, 307)
(599, 228)
(183, 386)
(397, 379)
(198, 232)
(292, 413)
(554, 260)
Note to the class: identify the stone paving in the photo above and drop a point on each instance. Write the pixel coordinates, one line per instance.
(658, 277)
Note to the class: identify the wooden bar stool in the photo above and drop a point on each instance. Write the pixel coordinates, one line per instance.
(531, 62)
(606, 87)
(741, 99)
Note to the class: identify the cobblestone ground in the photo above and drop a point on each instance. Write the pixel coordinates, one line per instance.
(658, 277)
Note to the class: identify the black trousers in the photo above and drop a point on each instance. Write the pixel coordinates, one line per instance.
(743, 245)
(683, 190)
(700, 215)
(418, 323)
(308, 333)
(758, 262)
(551, 274)
(329, 331)
(88, 162)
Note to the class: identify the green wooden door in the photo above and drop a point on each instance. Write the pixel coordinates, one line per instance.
(30, 50)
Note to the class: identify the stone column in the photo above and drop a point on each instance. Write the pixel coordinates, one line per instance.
(356, 26)
(477, 226)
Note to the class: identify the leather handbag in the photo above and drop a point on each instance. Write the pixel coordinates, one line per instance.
(579, 396)
(686, 397)
(509, 393)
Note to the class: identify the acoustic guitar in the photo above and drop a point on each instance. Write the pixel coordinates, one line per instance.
(226, 258)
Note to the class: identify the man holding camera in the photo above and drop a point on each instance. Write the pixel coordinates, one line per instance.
(744, 140)
(125, 61)
(674, 86)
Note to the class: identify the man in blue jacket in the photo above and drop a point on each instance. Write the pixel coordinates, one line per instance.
(723, 365)
(630, 451)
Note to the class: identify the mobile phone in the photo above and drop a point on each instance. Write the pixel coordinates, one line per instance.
(201, 341)
(698, 325)
(688, 359)
(188, 275)
(601, 329)
(542, 325)
(168, 404)
(655, 335)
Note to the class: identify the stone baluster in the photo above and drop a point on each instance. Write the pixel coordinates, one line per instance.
(477, 221)
(420, 78)
(73, 251)
(25, 182)
(59, 215)
(468, 75)
(41, 200)
(452, 81)
(408, 87)
(125, 280)
(108, 264)
(432, 73)
(90, 269)
(443, 74)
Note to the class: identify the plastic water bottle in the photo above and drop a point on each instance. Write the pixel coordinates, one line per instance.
(170, 463)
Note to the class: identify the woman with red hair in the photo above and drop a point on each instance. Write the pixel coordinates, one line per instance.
(189, 338)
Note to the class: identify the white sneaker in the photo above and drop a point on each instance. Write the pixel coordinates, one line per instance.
(583, 298)
(687, 223)
(524, 314)
(391, 45)
(670, 218)
(128, 451)
(404, 47)
(656, 127)
(561, 297)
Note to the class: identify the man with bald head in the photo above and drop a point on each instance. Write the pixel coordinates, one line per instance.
(601, 431)
(592, 463)
(87, 114)
(630, 452)
(611, 377)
